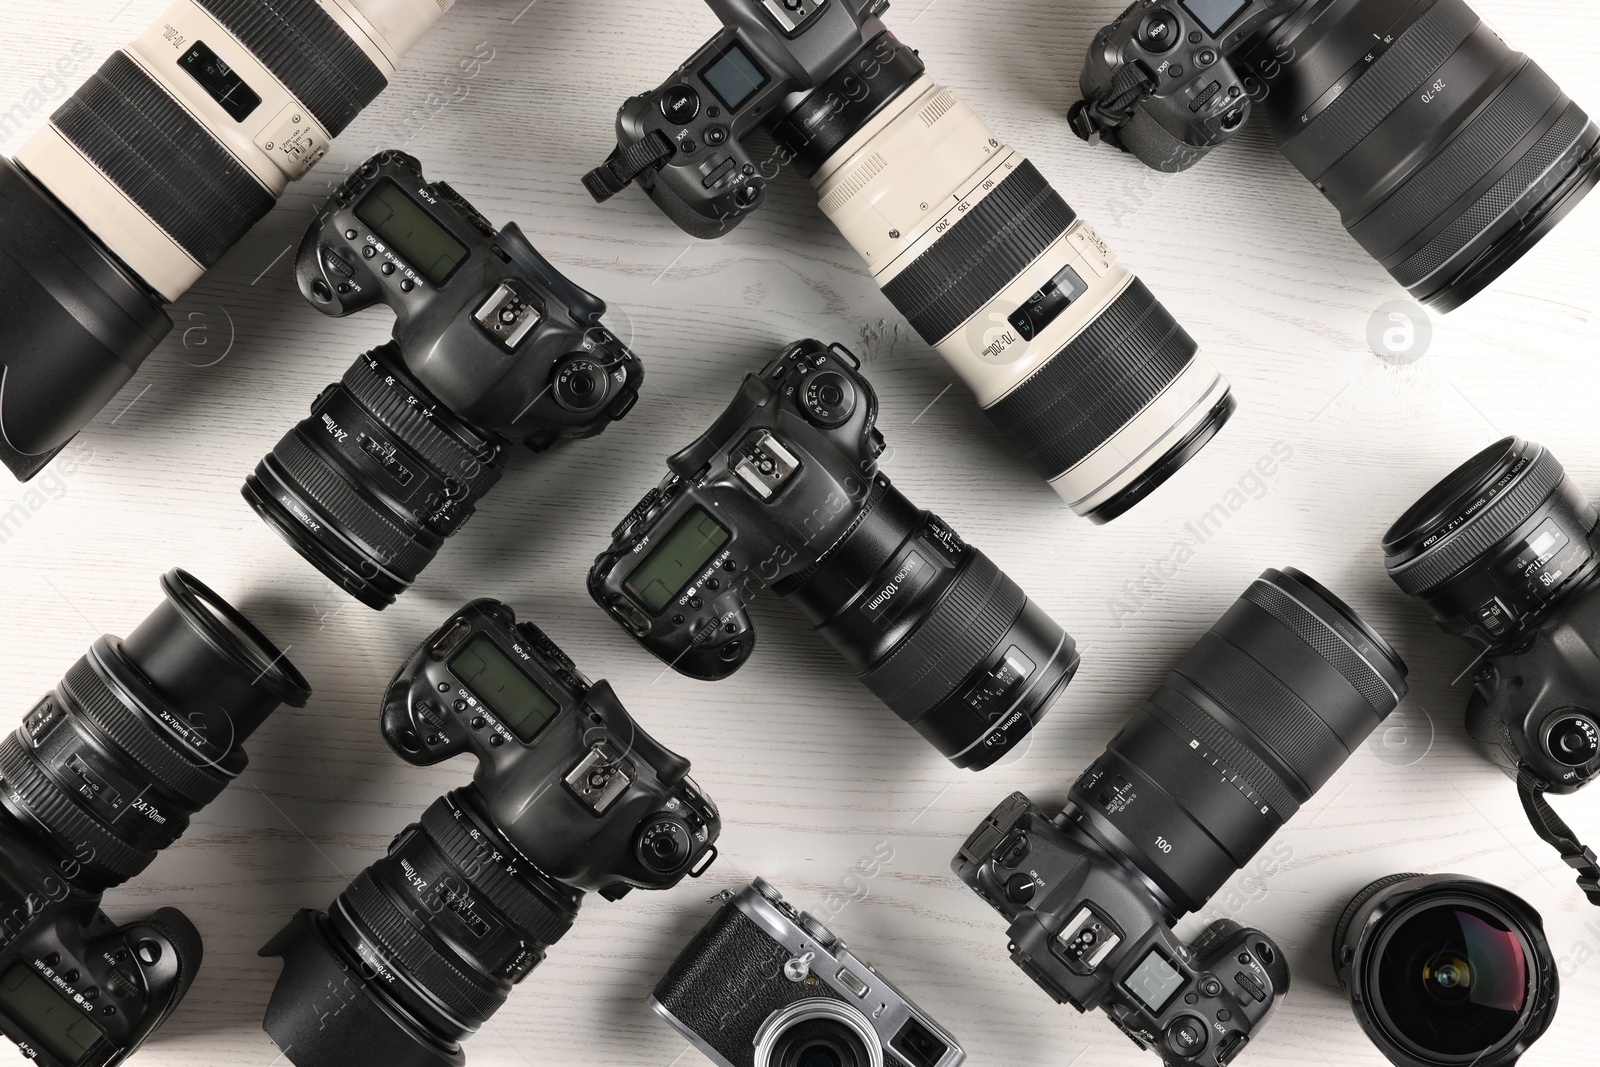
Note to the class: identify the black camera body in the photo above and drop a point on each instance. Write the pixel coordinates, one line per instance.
(684, 141)
(492, 347)
(625, 813)
(762, 981)
(783, 492)
(1092, 937)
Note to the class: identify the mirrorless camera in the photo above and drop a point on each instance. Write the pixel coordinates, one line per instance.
(1070, 355)
(783, 492)
(1505, 552)
(105, 772)
(149, 173)
(1448, 154)
(493, 347)
(764, 985)
(1254, 720)
(570, 795)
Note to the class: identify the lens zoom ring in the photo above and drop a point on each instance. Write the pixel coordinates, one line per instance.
(165, 161)
(71, 826)
(1281, 796)
(408, 947)
(1509, 510)
(318, 478)
(1357, 111)
(1474, 152)
(1091, 388)
(1261, 702)
(422, 435)
(1518, 181)
(981, 254)
(1361, 675)
(960, 631)
(87, 691)
(308, 52)
(532, 914)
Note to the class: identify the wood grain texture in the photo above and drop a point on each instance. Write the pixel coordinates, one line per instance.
(811, 772)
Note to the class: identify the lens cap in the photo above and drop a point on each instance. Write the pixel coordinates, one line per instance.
(1446, 969)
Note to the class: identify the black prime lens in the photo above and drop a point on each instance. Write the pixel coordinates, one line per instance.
(935, 629)
(1445, 970)
(1254, 720)
(143, 732)
(419, 950)
(369, 486)
(1448, 154)
(1497, 544)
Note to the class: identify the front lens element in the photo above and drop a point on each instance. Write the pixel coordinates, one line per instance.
(1254, 720)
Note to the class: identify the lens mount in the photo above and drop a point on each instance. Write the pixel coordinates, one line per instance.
(1446, 970)
(835, 111)
(815, 1032)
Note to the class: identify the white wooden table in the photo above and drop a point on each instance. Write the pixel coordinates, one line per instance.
(813, 775)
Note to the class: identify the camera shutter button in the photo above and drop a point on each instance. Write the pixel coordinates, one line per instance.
(148, 951)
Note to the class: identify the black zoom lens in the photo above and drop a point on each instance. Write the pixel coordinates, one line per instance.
(1445, 969)
(370, 485)
(1497, 544)
(144, 731)
(1448, 154)
(935, 629)
(1254, 720)
(419, 950)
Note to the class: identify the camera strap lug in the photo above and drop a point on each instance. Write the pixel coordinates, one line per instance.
(1099, 120)
(625, 164)
(1554, 831)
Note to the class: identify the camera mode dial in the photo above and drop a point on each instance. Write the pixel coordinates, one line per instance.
(830, 399)
(581, 384)
(665, 845)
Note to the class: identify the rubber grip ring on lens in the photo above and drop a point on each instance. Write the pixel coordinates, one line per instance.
(70, 825)
(521, 903)
(165, 161)
(1295, 618)
(307, 51)
(1467, 544)
(450, 457)
(410, 949)
(959, 632)
(130, 732)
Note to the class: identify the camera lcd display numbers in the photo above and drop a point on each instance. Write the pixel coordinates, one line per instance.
(1215, 14)
(673, 562)
(58, 1025)
(734, 77)
(1154, 982)
(503, 688)
(411, 231)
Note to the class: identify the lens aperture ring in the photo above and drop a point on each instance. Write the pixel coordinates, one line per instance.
(959, 632)
(308, 52)
(407, 946)
(85, 690)
(539, 918)
(55, 809)
(1464, 546)
(1280, 794)
(1298, 620)
(165, 161)
(980, 255)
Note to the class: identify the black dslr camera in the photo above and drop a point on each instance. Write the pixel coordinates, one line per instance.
(570, 795)
(764, 985)
(784, 492)
(1505, 552)
(492, 347)
(1254, 720)
(1448, 154)
(105, 772)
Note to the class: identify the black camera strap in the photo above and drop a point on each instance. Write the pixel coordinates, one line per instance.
(1102, 118)
(625, 164)
(1550, 826)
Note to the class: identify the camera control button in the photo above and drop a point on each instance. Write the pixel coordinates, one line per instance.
(1159, 33)
(1247, 982)
(406, 285)
(387, 268)
(1186, 1036)
(680, 104)
(1020, 888)
(1211, 987)
(716, 135)
(367, 252)
(122, 984)
(717, 173)
(148, 951)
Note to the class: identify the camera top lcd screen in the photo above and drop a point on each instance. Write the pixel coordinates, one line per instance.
(52, 1020)
(734, 77)
(411, 231)
(674, 561)
(1154, 982)
(1215, 14)
(503, 688)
